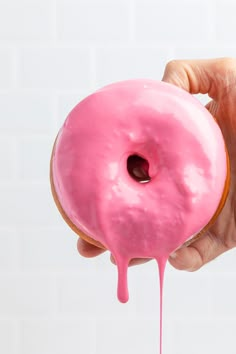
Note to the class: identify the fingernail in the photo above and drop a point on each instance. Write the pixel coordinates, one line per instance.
(173, 255)
(192, 269)
(112, 259)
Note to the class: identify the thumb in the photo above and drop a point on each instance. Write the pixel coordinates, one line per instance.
(203, 250)
(212, 76)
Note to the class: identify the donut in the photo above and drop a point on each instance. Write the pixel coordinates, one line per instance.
(139, 168)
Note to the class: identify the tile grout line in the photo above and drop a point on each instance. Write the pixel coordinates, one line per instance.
(210, 5)
(132, 22)
(15, 60)
(54, 23)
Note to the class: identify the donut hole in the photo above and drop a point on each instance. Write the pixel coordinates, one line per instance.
(138, 168)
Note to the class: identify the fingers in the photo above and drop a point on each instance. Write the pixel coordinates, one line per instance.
(212, 76)
(200, 252)
(88, 250)
(189, 258)
(138, 261)
(133, 262)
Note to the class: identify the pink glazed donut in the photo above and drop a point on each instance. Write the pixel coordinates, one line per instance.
(138, 168)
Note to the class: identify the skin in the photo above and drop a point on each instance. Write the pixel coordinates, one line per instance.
(217, 78)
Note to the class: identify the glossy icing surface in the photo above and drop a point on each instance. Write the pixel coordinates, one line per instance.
(185, 157)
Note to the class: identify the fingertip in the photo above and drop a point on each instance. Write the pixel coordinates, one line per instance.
(138, 261)
(112, 259)
(186, 258)
(88, 250)
(175, 74)
(132, 262)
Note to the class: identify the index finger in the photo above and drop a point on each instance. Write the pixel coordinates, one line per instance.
(88, 250)
(211, 76)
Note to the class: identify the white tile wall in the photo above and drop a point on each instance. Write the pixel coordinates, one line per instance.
(54, 68)
(25, 20)
(9, 250)
(122, 63)
(172, 23)
(224, 30)
(7, 161)
(52, 54)
(25, 295)
(35, 249)
(59, 336)
(114, 336)
(65, 102)
(34, 156)
(203, 336)
(91, 21)
(26, 113)
(6, 63)
(26, 205)
(8, 337)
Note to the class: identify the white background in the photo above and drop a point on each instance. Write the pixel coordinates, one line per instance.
(52, 301)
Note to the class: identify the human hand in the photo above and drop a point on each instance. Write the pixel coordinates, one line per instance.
(217, 78)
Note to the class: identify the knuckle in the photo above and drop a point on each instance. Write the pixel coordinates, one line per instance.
(228, 64)
(172, 65)
(175, 73)
(225, 76)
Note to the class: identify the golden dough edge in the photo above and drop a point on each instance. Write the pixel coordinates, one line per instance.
(80, 233)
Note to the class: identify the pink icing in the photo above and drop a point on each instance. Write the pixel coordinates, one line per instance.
(185, 157)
